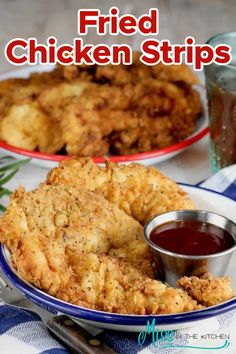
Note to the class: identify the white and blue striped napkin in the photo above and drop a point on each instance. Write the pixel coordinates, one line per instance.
(22, 332)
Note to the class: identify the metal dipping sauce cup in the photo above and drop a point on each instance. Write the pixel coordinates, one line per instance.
(221, 94)
(171, 266)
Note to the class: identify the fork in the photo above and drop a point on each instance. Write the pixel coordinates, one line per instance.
(75, 337)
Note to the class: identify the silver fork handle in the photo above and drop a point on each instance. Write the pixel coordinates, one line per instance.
(75, 337)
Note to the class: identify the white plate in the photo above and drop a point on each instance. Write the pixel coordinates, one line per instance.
(146, 158)
(204, 199)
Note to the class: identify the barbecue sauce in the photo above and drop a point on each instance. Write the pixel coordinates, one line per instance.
(191, 237)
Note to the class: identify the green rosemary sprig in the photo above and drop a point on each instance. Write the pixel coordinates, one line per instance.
(7, 172)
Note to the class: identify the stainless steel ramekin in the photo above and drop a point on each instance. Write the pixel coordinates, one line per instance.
(171, 266)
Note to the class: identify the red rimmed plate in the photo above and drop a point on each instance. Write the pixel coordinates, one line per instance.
(146, 158)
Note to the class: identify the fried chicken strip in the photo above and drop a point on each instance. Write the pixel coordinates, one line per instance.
(58, 237)
(100, 110)
(109, 284)
(209, 291)
(164, 114)
(127, 119)
(23, 122)
(140, 191)
(27, 127)
(70, 219)
(55, 98)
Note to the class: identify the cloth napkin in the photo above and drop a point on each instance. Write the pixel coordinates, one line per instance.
(22, 332)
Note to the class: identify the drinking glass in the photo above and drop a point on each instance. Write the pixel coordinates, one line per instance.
(221, 94)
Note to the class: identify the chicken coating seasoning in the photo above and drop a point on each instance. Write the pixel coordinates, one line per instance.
(99, 260)
(140, 191)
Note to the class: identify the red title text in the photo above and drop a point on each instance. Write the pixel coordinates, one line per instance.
(20, 51)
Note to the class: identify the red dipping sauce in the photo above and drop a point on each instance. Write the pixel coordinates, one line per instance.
(194, 238)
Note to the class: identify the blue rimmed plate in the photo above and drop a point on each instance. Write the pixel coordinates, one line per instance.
(203, 199)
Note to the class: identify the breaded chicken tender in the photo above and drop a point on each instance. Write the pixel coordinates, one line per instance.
(82, 131)
(108, 110)
(16, 91)
(88, 123)
(79, 247)
(209, 291)
(76, 220)
(71, 239)
(22, 121)
(108, 284)
(55, 98)
(140, 191)
(27, 127)
(164, 115)
(19, 90)
(131, 119)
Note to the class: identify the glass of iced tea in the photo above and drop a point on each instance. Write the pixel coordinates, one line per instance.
(221, 94)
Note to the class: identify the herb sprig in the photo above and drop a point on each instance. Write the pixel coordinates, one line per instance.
(7, 172)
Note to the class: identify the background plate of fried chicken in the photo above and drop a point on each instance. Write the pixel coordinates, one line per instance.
(76, 246)
(130, 113)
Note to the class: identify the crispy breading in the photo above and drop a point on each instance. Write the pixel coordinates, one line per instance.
(68, 240)
(87, 125)
(207, 291)
(27, 127)
(77, 220)
(47, 78)
(108, 284)
(73, 72)
(140, 191)
(82, 132)
(72, 244)
(165, 114)
(55, 98)
(27, 90)
(174, 73)
(135, 119)
(20, 90)
(111, 109)
(115, 75)
(8, 89)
